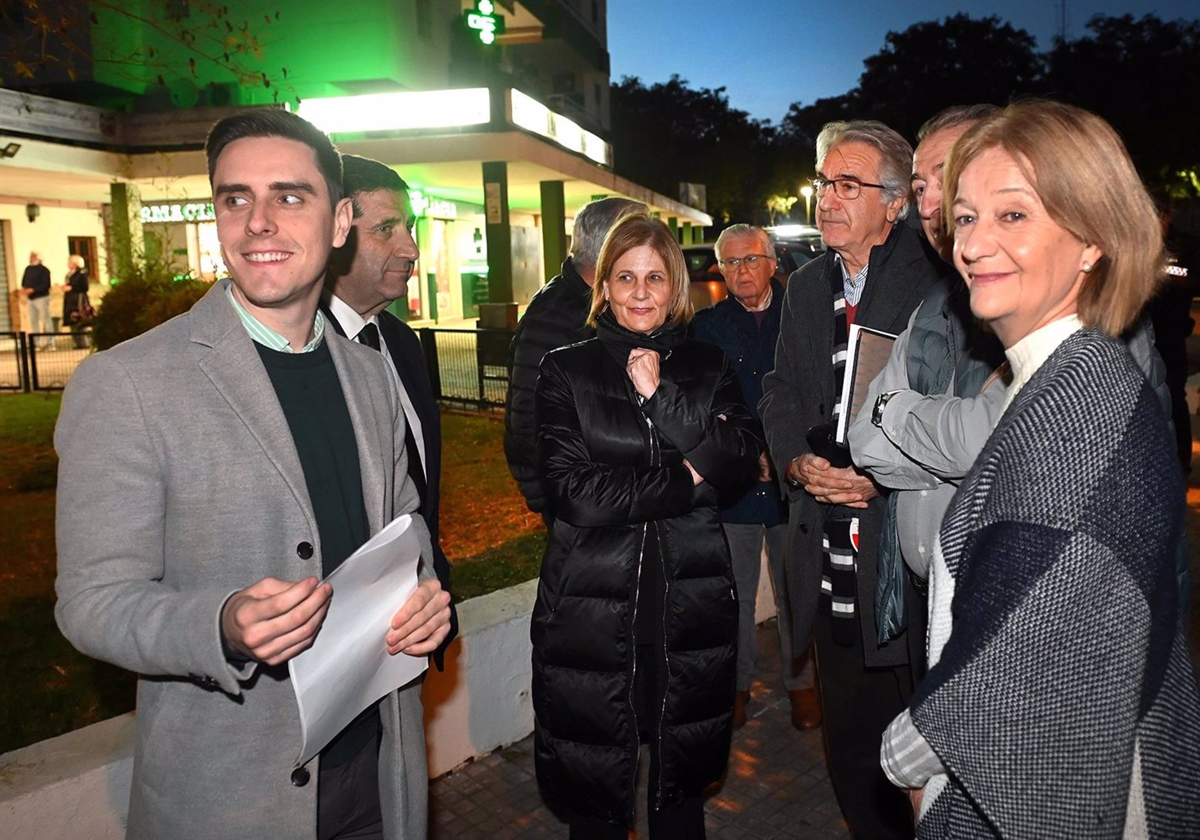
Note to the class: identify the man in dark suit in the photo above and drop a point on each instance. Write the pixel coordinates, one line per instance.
(875, 273)
(365, 275)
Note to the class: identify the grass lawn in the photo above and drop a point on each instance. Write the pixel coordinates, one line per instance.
(49, 688)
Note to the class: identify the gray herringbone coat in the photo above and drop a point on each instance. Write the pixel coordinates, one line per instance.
(179, 484)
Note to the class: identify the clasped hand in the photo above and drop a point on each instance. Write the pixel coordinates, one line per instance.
(829, 484)
(642, 368)
(273, 620)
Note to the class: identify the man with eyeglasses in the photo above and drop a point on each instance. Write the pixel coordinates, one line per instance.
(746, 326)
(875, 273)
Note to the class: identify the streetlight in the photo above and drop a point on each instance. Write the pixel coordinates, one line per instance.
(807, 192)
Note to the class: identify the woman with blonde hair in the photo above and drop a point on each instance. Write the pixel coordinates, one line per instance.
(1061, 700)
(635, 625)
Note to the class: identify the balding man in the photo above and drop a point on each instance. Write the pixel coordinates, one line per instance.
(746, 326)
(875, 273)
(35, 286)
(555, 318)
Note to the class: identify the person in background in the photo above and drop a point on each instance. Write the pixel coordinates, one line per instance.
(35, 286)
(555, 317)
(1061, 700)
(932, 408)
(634, 629)
(875, 273)
(364, 276)
(212, 472)
(1171, 310)
(746, 327)
(75, 299)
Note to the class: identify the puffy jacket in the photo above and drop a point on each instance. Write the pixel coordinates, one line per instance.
(555, 318)
(615, 478)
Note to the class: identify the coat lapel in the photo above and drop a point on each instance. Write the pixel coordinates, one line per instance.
(365, 407)
(236, 371)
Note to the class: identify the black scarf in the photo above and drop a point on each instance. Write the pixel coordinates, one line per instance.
(618, 340)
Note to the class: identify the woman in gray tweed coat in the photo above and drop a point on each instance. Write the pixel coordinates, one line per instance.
(1061, 700)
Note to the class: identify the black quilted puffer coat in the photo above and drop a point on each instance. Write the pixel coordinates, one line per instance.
(615, 479)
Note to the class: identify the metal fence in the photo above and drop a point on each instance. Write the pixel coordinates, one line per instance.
(466, 367)
(40, 361)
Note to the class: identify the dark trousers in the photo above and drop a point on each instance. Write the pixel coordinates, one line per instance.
(859, 703)
(684, 821)
(348, 798)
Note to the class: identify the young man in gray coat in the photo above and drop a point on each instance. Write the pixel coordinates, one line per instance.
(212, 472)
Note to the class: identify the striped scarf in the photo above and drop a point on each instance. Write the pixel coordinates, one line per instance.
(838, 582)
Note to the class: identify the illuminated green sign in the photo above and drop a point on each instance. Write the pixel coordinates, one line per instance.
(486, 23)
(191, 212)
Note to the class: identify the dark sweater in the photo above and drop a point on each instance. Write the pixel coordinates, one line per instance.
(310, 395)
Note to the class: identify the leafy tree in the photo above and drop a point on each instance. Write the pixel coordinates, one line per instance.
(1143, 76)
(669, 132)
(49, 44)
(925, 68)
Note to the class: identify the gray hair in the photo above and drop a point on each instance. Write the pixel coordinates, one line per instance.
(954, 117)
(895, 166)
(77, 261)
(592, 224)
(742, 229)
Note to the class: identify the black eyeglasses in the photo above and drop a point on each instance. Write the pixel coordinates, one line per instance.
(750, 260)
(846, 189)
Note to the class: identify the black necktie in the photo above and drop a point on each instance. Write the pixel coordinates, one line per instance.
(369, 335)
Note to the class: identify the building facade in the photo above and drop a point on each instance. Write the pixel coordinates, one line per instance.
(494, 111)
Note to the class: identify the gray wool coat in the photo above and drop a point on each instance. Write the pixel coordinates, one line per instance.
(179, 484)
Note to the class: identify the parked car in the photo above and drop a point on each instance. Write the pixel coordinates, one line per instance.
(707, 282)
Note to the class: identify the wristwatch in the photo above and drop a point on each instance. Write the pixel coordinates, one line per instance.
(880, 405)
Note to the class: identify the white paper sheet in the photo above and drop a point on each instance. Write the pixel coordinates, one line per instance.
(348, 667)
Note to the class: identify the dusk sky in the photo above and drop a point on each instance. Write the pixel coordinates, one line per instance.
(770, 53)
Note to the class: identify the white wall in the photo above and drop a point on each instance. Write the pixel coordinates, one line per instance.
(76, 786)
(48, 236)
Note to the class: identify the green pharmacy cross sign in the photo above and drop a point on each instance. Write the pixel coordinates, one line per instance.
(486, 23)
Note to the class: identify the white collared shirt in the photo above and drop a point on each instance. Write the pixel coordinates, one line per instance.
(353, 323)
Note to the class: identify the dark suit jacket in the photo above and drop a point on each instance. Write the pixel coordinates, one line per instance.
(799, 394)
(405, 349)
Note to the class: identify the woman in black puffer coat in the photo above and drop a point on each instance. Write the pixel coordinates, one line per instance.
(635, 626)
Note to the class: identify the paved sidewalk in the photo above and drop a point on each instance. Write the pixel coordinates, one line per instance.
(777, 785)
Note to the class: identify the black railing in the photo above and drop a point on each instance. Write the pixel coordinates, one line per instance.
(466, 367)
(40, 361)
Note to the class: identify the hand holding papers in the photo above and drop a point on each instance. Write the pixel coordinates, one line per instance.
(348, 666)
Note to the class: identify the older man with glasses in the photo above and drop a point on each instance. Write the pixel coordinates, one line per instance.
(746, 326)
(875, 273)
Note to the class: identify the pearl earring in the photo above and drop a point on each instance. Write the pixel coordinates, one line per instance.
(1087, 266)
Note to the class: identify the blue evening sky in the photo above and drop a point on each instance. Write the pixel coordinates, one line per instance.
(770, 53)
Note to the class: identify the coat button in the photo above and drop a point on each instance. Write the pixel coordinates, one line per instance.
(304, 551)
(821, 409)
(300, 776)
(803, 528)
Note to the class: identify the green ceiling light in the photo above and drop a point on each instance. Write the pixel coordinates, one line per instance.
(486, 23)
(399, 111)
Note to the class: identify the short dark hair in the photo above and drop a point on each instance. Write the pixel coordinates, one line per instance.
(362, 175)
(954, 116)
(275, 122)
